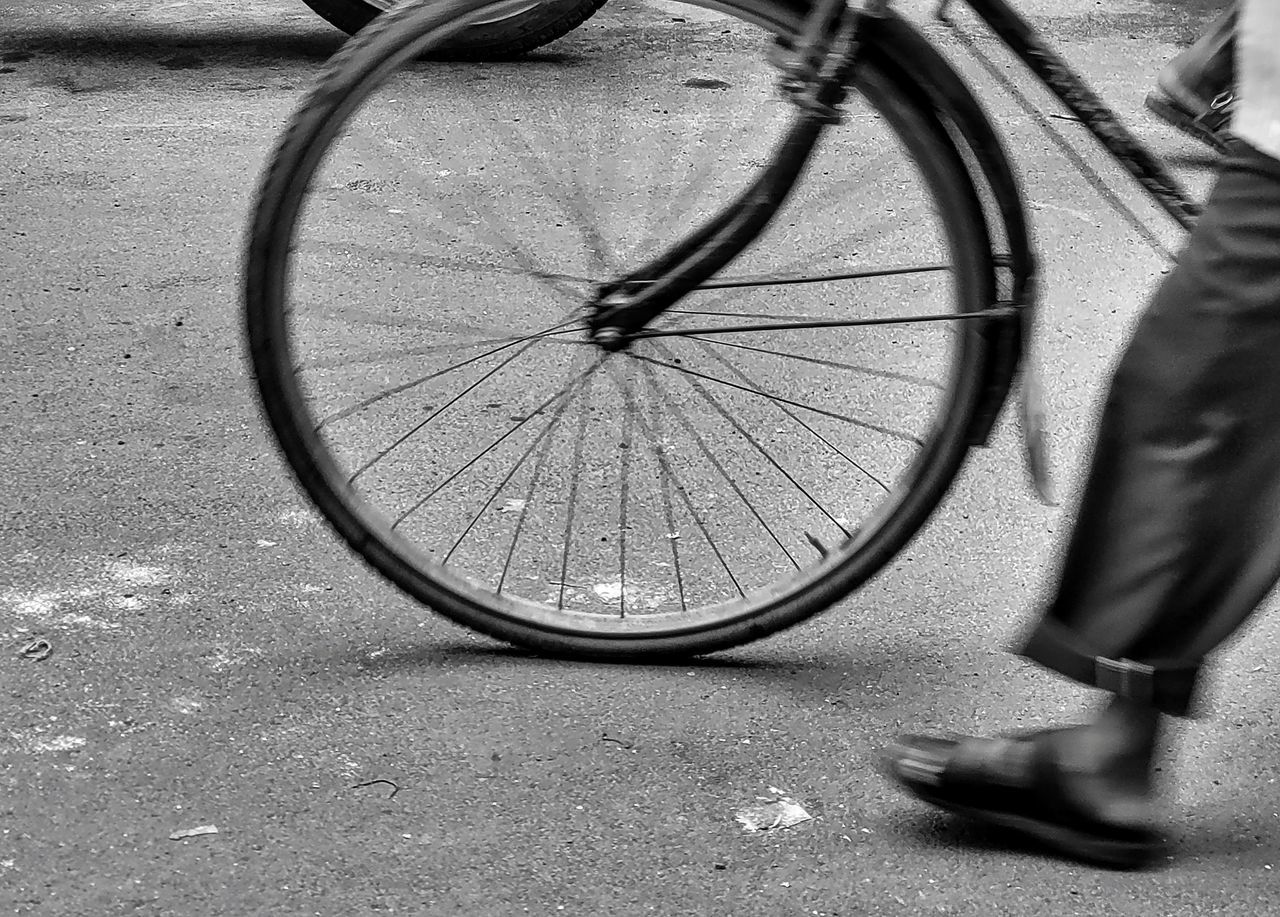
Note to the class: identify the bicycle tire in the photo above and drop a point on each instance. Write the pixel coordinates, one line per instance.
(365, 61)
(503, 38)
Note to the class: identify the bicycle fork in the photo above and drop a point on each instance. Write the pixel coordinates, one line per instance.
(815, 72)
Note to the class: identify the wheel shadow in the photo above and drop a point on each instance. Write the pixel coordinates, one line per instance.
(187, 46)
(826, 678)
(1246, 839)
(457, 654)
(176, 46)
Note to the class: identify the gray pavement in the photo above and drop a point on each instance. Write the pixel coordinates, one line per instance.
(219, 659)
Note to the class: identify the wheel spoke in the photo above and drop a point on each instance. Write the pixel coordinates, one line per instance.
(515, 468)
(576, 208)
(995, 312)
(831, 364)
(574, 479)
(672, 479)
(471, 461)
(624, 493)
(896, 434)
(527, 340)
(635, 414)
(715, 463)
(534, 478)
(782, 280)
(809, 428)
(563, 284)
(366, 357)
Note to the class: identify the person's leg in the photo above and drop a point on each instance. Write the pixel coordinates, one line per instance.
(1176, 543)
(1206, 68)
(1181, 511)
(1195, 90)
(1178, 533)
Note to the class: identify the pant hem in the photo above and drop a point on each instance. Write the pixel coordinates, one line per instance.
(1170, 687)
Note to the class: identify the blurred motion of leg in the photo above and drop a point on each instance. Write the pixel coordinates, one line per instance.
(1195, 90)
(1177, 538)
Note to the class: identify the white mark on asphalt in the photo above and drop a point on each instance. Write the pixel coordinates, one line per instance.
(1070, 211)
(775, 812)
(221, 657)
(127, 574)
(88, 621)
(57, 743)
(125, 602)
(187, 705)
(296, 517)
(38, 603)
(609, 592)
(115, 589)
(639, 594)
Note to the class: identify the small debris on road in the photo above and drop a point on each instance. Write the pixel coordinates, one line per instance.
(773, 814)
(605, 737)
(821, 548)
(395, 787)
(37, 650)
(193, 832)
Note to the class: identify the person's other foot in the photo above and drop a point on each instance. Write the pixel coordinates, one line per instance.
(1207, 120)
(1034, 785)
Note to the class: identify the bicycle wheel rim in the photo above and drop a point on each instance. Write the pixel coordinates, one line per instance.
(714, 626)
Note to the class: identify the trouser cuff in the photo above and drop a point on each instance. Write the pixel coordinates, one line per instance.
(1169, 687)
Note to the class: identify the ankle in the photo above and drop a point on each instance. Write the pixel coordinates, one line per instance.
(1117, 748)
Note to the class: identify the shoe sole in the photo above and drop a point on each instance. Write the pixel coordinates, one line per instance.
(1178, 119)
(1087, 848)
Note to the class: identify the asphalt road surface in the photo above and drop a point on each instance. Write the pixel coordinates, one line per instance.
(219, 659)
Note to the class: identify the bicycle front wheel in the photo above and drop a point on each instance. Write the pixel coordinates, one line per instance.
(421, 264)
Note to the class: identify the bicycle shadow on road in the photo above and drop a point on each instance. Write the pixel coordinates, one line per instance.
(175, 47)
(829, 678)
(458, 654)
(188, 46)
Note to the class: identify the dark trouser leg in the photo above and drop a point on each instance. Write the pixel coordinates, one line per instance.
(1178, 535)
(1197, 75)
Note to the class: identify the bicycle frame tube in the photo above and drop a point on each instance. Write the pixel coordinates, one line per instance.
(625, 306)
(1059, 78)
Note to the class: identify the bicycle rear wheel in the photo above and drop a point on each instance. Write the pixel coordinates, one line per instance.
(426, 242)
(514, 31)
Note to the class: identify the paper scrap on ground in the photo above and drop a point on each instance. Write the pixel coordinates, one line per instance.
(37, 650)
(773, 813)
(193, 832)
